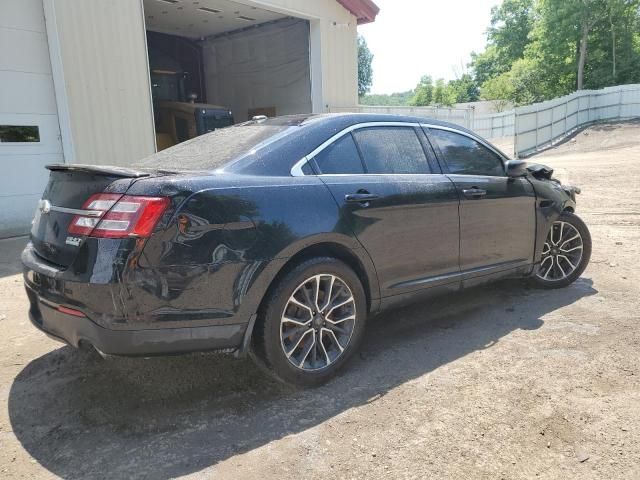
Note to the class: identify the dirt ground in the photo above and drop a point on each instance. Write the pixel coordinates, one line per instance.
(504, 381)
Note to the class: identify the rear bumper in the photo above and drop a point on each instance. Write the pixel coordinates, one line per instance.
(73, 330)
(96, 322)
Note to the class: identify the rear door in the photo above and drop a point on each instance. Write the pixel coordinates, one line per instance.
(497, 213)
(402, 210)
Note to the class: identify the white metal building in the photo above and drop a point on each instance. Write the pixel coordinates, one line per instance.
(75, 78)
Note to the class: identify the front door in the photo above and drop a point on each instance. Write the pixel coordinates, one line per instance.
(497, 213)
(403, 213)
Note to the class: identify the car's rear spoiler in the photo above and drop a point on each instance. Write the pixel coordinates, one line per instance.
(99, 170)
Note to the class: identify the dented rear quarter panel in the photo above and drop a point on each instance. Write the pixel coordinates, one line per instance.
(222, 244)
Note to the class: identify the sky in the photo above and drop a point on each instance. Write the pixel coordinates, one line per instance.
(412, 38)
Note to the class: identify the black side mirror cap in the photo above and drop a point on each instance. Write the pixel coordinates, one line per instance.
(516, 168)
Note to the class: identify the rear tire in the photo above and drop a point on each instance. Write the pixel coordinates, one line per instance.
(565, 253)
(311, 322)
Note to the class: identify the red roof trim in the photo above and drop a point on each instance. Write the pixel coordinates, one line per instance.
(364, 10)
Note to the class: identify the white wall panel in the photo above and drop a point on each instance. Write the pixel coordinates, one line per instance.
(17, 212)
(106, 79)
(26, 98)
(26, 93)
(22, 15)
(334, 48)
(266, 66)
(16, 183)
(24, 51)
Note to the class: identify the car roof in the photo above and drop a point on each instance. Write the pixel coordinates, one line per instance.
(347, 119)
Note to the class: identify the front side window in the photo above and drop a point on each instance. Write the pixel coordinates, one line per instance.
(465, 156)
(341, 157)
(395, 150)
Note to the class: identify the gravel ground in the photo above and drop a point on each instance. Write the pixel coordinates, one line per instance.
(504, 381)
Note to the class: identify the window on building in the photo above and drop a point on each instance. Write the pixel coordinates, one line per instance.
(19, 134)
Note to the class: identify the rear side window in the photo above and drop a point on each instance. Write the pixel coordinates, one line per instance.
(391, 150)
(341, 157)
(465, 156)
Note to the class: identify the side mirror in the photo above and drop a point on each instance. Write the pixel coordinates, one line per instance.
(516, 168)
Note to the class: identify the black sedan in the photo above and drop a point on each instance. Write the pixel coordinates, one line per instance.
(280, 237)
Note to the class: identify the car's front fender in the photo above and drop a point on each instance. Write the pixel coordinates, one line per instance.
(552, 199)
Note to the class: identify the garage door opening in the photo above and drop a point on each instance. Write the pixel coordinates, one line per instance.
(213, 63)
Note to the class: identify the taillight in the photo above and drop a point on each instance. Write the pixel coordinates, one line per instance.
(119, 216)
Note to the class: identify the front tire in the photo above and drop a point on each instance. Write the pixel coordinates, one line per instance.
(311, 322)
(565, 253)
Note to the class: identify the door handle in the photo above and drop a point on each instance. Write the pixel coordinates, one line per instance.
(474, 193)
(360, 197)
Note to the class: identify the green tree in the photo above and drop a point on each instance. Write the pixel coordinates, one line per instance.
(561, 42)
(511, 24)
(399, 99)
(507, 38)
(518, 86)
(612, 58)
(549, 48)
(423, 95)
(442, 94)
(365, 68)
(541, 49)
(571, 22)
(500, 90)
(464, 89)
(487, 65)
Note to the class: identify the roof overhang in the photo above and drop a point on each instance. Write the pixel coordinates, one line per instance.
(364, 10)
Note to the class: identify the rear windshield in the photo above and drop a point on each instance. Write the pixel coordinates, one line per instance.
(216, 149)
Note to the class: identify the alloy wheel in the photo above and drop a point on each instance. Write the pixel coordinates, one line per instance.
(318, 322)
(561, 253)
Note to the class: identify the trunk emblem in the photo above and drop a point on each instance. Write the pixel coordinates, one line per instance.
(74, 241)
(44, 206)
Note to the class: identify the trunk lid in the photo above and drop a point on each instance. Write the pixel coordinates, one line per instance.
(69, 187)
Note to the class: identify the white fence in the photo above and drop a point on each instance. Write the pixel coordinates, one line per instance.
(459, 116)
(489, 126)
(497, 125)
(542, 124)
(525, 130)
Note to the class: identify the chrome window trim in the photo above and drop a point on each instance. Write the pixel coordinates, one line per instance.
(467, 175)
(375, 174)
(296, 170)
